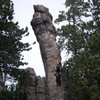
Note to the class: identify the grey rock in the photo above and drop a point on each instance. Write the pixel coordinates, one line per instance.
(42, 20)
(35, 87)
(28, 89)
(40, 89)
(46, 36)
(42, 9)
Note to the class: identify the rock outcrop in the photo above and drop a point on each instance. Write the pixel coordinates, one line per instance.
(46, 36)
(40, 88)
(33, 87)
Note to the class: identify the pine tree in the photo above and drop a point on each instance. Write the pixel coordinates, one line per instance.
(81, 38)
(11, 45)
(73, 31)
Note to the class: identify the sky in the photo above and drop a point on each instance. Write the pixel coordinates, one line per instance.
(24, 11)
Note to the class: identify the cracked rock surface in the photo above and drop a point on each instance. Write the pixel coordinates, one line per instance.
(46, 36)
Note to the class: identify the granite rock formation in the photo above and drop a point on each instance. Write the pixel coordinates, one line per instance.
(33, 88)
(46, 36)
(40, 88)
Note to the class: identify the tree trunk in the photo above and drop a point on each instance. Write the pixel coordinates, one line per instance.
(1, 83)
(46, 36)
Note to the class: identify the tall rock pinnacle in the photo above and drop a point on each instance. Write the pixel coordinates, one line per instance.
(46, 36)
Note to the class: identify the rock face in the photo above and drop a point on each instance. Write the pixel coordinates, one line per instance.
(34, 87)
(40, 89)
(31, 86)
(46, 36)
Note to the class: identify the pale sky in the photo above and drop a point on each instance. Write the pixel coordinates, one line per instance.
(23, 14)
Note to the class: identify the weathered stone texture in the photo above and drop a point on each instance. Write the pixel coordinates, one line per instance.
(40, 89)
(46, 36)
(31, 79)
(34, 87)
(28, 89)
(42, 20)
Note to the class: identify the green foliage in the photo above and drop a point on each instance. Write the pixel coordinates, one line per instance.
(80, 37)
(11, 46)
(7, 95)
(12, 93)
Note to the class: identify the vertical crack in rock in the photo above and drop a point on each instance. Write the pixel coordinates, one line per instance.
(46, 36)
